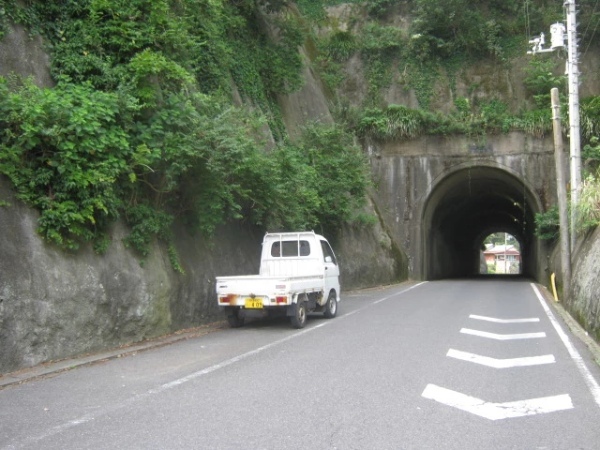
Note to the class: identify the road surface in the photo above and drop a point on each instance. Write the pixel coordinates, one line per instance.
(459, 364)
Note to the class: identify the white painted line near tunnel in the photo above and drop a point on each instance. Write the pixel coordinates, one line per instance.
(575, 356)
(501, 363)
(398, 293)
(497, 411)
(503, 337)
(493, 319)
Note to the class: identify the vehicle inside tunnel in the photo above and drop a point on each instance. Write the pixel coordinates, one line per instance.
(466, 207)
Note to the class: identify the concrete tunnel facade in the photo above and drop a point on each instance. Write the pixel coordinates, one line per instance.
(464, 208)
(439, 197)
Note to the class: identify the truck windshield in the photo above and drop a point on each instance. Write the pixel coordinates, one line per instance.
(290, 248)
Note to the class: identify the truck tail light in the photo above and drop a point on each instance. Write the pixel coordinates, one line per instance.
(281, 299)
(229, 298)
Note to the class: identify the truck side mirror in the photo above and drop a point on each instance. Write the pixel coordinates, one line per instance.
(328, 259)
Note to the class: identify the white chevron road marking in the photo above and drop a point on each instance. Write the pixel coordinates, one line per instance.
(501, 363)
(503, 337)
(497, 411)
(495, 320)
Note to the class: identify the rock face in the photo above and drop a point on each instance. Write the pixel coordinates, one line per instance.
(55, 304)
(23, 54)
(584, 300)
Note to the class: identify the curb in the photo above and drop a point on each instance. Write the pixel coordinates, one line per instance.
(574, 326)
(63, 365)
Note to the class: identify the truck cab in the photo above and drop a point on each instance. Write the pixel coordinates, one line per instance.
(299, 274)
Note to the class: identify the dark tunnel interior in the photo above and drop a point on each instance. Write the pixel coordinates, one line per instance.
(464, 209)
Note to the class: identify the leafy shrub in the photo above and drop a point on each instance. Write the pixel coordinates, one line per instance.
(588, 207)
(591, 153)
(84, 158)
(400, 122)
(66, 151)
(537, 122)
(342, 173)
(590, 117)
(547, 224)
(340, 45)
(378, 8)
(540, 79)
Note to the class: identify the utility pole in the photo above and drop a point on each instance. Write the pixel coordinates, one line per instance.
(561, 187)
(557, 31)
(574, 133)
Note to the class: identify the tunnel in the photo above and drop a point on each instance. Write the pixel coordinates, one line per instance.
(464, 208)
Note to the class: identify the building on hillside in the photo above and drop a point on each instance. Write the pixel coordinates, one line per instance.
(503, 259)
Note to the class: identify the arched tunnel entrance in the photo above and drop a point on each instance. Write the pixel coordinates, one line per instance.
(465, 207)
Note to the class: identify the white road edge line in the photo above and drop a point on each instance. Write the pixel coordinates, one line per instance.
(503, 337)
(501, 363)
(575, 356)
(398, 293)
(495, 320)
(497, 411)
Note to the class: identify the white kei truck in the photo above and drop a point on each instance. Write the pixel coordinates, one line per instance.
(299, 274)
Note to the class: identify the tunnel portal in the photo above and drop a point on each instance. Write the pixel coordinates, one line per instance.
(464, 208)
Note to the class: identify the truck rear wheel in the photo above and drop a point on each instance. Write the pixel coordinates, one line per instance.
(234, 320)
(331, 306)
(299, 316)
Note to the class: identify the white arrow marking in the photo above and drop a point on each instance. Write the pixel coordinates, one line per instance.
(501, 363)
(497, 411)
(493, 319)
(503, 337)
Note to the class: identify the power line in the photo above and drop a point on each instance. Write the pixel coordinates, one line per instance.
(588, 27)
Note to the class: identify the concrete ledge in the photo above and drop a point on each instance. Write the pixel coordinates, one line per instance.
(53, 367)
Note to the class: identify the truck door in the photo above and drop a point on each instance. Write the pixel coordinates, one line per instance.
(332, 270)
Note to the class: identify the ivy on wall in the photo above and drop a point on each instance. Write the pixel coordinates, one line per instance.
(141, 124)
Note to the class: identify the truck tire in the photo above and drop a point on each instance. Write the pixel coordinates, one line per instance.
(299, 316)
(331, 306)
(234, 320)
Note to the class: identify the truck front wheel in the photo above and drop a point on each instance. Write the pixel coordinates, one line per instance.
(331, 306)
(299, 315)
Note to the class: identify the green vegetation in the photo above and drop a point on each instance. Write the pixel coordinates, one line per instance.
(501, 238)
(547, 224)
(84, 157)
(588, 211)
(588, 208)
(142, 123)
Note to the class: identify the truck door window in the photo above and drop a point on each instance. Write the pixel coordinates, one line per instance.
(327, 251)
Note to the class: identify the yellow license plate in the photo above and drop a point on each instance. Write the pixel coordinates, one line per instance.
(253, 303)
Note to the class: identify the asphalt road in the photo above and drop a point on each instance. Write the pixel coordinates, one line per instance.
(458, 364)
